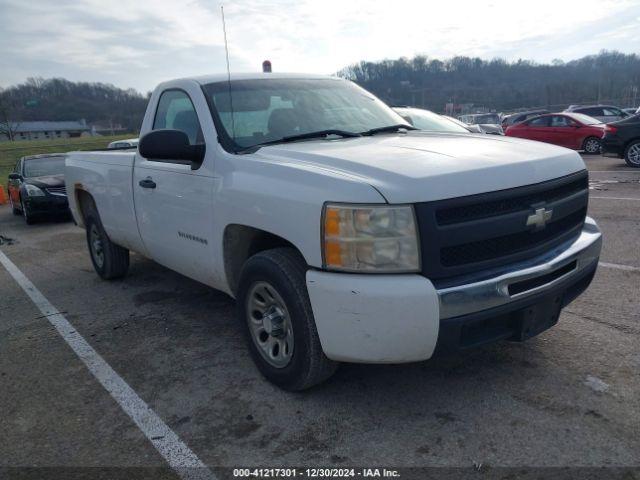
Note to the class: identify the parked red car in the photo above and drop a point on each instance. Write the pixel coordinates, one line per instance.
(571, 130)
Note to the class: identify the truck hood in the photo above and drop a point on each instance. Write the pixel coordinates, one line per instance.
(421, 166)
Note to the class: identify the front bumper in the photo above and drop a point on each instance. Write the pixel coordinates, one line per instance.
(403, 318)
(47, 204)
(523, 279)
(612, 145)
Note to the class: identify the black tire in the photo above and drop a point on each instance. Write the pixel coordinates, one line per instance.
(28, 217)
(284, 269)
(630, 154)
(591, 145)
(114, 262)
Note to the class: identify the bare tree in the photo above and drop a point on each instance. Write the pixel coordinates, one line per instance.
(8, 127)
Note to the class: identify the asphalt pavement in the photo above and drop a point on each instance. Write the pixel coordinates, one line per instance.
(569, 397)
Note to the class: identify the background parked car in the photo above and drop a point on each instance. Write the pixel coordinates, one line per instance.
(129, 143)
(427, 120)
(571, 130)
(622, 138)
(604, 113)
(471, 128)
(36, 187)
(518, 117)
(488, 122)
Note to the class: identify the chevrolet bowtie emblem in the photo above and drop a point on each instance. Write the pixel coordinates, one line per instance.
(539, 218)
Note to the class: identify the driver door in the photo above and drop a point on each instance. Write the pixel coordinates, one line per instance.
(174, 204)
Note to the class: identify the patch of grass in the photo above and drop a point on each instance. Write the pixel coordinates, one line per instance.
(10, 152)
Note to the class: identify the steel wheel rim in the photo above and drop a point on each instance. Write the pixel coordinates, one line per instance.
(592, 146)
(97, 250)
(634, 154)
(269, 324)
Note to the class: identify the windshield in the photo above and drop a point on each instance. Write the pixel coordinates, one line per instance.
(495, 119)
(40, 167)
(426, 120)
(267, 110)
(586, 119)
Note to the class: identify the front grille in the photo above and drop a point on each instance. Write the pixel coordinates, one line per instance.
(481, 232)
(447, 216)
(512, 243)
(57, 190)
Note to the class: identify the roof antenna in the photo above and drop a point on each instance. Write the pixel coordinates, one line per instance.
(226, 49)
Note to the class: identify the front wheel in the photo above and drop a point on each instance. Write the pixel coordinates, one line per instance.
(632, 154)
(591, 145)
(28, 217)
(109, 260)
(275, 313)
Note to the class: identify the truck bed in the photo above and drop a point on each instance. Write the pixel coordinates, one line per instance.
(107, 176)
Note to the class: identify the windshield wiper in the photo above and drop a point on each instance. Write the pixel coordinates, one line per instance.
(389, 128)
(319, 134)
(305, 136)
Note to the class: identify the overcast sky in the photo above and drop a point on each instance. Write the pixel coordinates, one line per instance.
(140, 43)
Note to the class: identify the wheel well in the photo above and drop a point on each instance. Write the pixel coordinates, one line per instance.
(84, 201)
(241, 242)
(629, 142)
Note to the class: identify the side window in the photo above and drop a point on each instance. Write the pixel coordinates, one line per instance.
(595, 111)
(539, 122)
(560, 121)
(176, 111)
(16, 169)
(612, 112)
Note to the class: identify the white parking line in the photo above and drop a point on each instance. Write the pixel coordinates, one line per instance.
(627, 268)
(179, 457)
(615, 198)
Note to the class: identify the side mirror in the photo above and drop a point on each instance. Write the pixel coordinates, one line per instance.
(15, 176)
(171, 146)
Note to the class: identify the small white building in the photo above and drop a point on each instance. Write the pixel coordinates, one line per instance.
(43, 130)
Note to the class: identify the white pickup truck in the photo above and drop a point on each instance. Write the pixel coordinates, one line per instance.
(343, 234)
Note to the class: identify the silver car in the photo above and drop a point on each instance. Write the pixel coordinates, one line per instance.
(487, 122)
(128, 143)
(429, 121)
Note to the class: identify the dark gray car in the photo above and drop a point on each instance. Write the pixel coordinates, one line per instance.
(521, 117)
(604, 113)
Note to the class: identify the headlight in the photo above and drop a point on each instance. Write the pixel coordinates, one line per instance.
(33, 191)
(370, 238)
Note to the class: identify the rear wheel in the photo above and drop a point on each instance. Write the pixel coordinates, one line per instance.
(109, 260)
(275, 312)
(632, 154)
(591, 145)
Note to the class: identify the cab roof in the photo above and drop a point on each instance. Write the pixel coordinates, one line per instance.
(222, 77)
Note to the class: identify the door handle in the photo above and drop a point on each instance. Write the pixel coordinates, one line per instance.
(147, 183)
